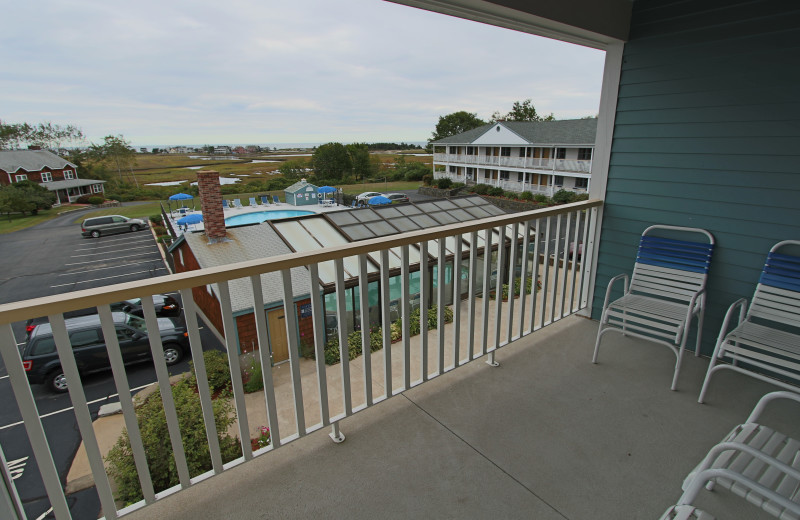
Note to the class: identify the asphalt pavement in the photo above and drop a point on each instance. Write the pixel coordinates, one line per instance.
(53, 258)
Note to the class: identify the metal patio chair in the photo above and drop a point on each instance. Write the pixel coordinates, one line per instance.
(264, 200)
(237, 203)
(754, 462)
(225, 204)
(275, 199)
(768, 335)
(253, 202)
(667, 291)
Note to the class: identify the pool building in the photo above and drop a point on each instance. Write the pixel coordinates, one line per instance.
(339, 298)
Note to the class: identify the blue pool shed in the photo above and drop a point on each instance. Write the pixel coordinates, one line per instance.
(301, 193)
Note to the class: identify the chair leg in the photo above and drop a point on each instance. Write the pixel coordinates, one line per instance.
(677, 369)
(597, 343)
(712, 362)
(700, 317)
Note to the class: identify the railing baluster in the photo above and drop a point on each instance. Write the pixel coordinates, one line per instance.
(232, 346)
(405, 306)
(424, 295)
(523, 297)
(265, 358)
(441, 295)
(573, 263)
(344, 343)
(290, 317)
(157, 351)
(498, 289)
(512, 276)
(556, 270)
(33, 425)
(546, 274)
(473, 266)
(457, 300)
(126, 402)
(487, 273)
(588, 252)
(587, 215)
(10, 503)
(386, 324)
(81, 409)
(563, 268)
(536, 262)
(366, 330)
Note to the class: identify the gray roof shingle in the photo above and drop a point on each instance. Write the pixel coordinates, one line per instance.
(566, 132)
(31, 160)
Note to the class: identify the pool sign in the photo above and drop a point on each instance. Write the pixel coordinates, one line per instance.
(305, 310)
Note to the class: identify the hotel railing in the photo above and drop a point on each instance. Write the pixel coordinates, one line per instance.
(542, 251)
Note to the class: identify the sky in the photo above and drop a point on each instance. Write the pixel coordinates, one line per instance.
(248, 72)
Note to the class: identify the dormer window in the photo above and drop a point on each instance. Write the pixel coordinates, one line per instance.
(68, 174)
(21, 177)
(47, 176)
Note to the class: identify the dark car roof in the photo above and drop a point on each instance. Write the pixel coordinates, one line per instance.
(78, 322)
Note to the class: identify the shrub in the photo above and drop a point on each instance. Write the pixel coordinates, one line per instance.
(564, 196)
(526, 195)
(253, 377)
(444, 183)
(112, 196)
(217, 370)
(96, 200)
(541, 198)
(513, 195)
(496, 192)
(480, 189)
(83, 199)
(427, 180)
(581, 196)
(156, 219)
(159, 230)
(158, 450)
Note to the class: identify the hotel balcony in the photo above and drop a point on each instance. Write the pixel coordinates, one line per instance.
(500, 413)
(528, 163)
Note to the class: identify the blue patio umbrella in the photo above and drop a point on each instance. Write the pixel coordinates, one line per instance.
(326, 189)
(194, 218)
(180, 196)
(379, 200)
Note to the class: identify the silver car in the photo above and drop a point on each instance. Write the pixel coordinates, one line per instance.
(109, 224)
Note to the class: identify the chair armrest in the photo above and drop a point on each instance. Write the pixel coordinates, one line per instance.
(768, 398)
(723, 331)
(611, 283)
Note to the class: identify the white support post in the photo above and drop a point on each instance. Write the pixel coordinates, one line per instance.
(336, 435)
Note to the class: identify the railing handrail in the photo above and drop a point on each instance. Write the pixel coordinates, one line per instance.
(60, 303)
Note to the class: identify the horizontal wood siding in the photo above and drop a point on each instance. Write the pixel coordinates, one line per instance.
(707, 134)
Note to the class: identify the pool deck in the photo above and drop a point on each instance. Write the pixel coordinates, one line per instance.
(174, 216)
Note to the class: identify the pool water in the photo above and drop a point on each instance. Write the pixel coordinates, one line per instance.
(261, 216)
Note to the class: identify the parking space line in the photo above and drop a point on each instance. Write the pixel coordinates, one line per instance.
(110, 267)
(109, 259)
(110, 277)
(106, 252)
(106, 239)
(113, 245)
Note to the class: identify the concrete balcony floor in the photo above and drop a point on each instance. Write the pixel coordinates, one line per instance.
(546, 435)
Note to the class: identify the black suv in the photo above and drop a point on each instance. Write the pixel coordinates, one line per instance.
(42, 365)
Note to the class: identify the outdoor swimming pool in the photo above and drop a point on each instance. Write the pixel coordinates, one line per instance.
(261, 216)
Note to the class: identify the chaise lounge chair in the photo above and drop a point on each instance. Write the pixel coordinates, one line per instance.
(253, 202)
(237, 203)
(265, 200)
(666, 292)
(225, 204)
(275, 199)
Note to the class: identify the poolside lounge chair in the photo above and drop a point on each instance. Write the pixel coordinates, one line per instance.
(253, 201)
(754, 462)
(666, 292)
(768, 335)
(685, 512)
(275, 199)
(237, 203)
(225, 204)
(265, 200)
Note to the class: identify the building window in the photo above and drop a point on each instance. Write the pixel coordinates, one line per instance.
(47, 176)
(505, 151)
(581, 183)
(486, 174)
(584, 154)
(470, 173)
(472, 150)
(503, 175)
(97, 188)
(453, 169)
(454, 149)
(68, 174)
(522, 152)
(561, 153)
(519, 177)
(21, 177)
(558, 180)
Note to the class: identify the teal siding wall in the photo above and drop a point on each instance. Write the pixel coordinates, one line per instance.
(707, 134)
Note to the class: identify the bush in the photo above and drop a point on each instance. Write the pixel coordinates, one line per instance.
(496, 192)
(253, 377)
(156, 219)
(564, 196)
(526, 195)
(480, 189)
(541, 198)
(158, 450)
(444, 183)
(159, 230)
(83, 199)
(581, 196)
(96, 200)
(513, 195)
(217, 370)
(427, 180)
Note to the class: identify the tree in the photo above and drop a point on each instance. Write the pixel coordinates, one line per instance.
(455, 123)
(331, 162)
(524, 111)
(117, 152)
(47, 135)
(293, 170)
(25, 196)
(359, 157)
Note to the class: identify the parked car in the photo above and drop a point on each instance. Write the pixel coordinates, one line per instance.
(364, 197)
(397, 198)
(43, 366)
(164, 305)
(107, 225)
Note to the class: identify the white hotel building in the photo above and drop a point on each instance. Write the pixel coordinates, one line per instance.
(540, 157)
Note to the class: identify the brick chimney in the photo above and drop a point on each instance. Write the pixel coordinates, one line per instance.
(211, 204)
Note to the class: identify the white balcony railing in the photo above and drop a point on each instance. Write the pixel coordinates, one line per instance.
(540, 251)
(560, 165)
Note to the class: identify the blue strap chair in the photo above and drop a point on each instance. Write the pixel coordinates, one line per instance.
(265, 200)
(225, 204)
(767, 337)
(237, 203)
(275, 199)
(667, 291)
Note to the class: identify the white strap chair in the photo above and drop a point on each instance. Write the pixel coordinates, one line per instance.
(667, 290)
